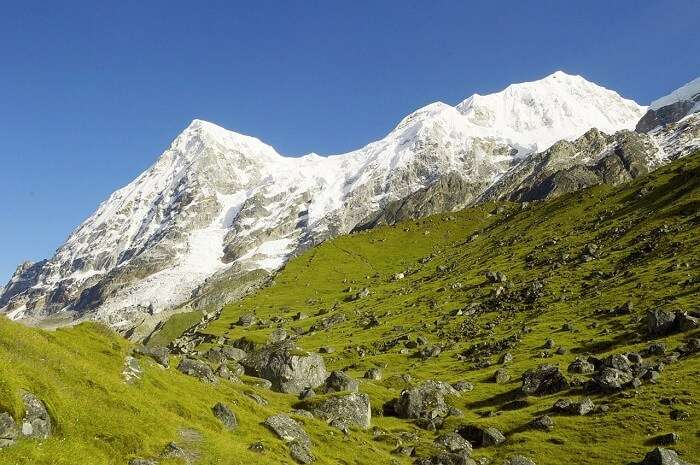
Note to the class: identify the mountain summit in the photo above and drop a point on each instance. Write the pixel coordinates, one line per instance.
(218, 205)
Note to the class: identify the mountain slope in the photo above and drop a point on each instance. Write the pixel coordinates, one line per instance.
(217, 204)
(647, 247)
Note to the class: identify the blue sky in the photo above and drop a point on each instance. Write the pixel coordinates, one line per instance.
(92, 92)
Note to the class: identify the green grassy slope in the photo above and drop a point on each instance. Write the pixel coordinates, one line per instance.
(647, 234)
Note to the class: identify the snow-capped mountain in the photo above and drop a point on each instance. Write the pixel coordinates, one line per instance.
(217, 203)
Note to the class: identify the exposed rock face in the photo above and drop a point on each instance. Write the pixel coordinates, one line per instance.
(217, 204)
(595, 158)
(672, 108)
(449, 193)
(286, 368)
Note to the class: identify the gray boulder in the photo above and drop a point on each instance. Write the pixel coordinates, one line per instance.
(612, 379)
(36, 423)
(659, 322)
(233, 353)
(426, 401)
(481, 436)
(288, 369)
(288, 430)
(543, 380)
(343, 410)
(661, 456)
(197, 369)
(338, 381)
(518, 460)
(160, 354)
(374, 374)
(8, 430)
(453, 442)
(225, 415)
(581, 367)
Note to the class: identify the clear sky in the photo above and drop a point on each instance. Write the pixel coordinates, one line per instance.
(92, 92)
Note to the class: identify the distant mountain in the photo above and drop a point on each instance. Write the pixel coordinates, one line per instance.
(673, 107)
(217, 204)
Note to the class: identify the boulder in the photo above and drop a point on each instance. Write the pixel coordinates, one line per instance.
(233, 353)
(446, 458)
(425, 401)
(685, 322)
(501, 376)
(481, 437)
(301, 453)
(518, 460)
(36, 423)
(612, 379)
(288, 429)
(582, 367)
(374, 374)
(659, 322)
(158, 353)
(132, 370)
(453, 442)
(543, 380)
(338, 381)
(288, 369)
(342, 410)
(8, 430)
(661, 456)
(543, 422)
(197, 369)
(225, 415)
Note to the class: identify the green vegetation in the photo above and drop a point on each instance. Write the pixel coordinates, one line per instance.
(648, 250)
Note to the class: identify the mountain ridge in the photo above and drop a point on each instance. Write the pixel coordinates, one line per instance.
(221, 202)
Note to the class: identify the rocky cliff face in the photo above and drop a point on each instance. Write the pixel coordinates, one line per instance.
(672, 108)
(218, 204)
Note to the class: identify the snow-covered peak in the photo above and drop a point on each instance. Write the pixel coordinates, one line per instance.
(688, 92)
(217, 200)
(559, 106)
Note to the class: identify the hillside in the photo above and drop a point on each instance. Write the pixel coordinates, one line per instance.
(415, 300)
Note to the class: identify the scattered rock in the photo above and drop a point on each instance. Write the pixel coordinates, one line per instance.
(225, 415)
(36, 423)
(344, 410)
(660, 456)
(246, 320)
(543, 380)
(612, 379)
(518, 460)
(501, 376)
(8, 430)
(481, 437)
(338, 381)
(132, 370)
(197, 369)
(543, 422)
(301, 453)
(668, 439)
(288, 369)
(581, 366)
(453, 442)
(373, 374)
(424, 401)
(160, 354)
(288, 429)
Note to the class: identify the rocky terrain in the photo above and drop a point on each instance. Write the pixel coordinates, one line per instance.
(564, 330)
